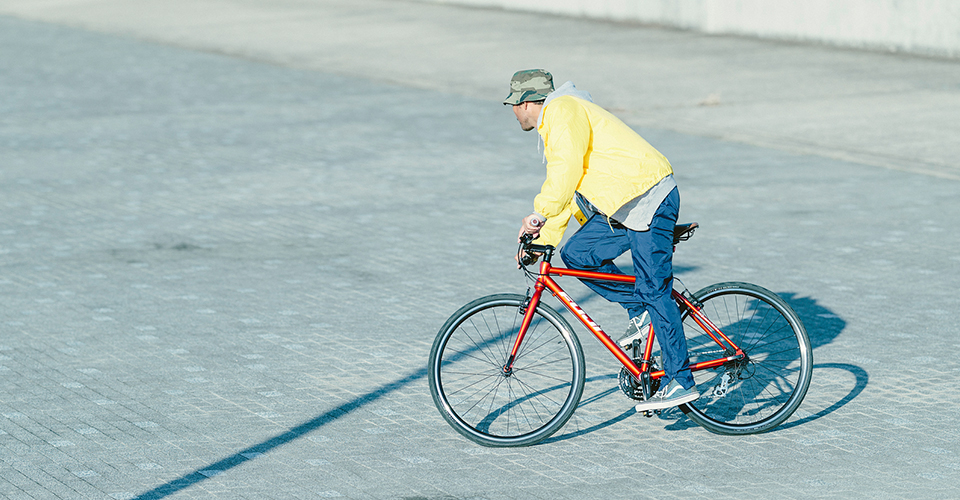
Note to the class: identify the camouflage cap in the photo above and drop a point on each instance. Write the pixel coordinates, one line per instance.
(529, 85)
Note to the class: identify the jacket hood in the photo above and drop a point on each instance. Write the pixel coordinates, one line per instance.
(568, 88)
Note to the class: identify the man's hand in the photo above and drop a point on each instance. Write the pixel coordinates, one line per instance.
(531, 225)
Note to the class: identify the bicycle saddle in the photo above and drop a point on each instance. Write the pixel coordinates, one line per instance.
(683, 232)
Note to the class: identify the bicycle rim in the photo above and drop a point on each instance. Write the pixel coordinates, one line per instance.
(491, 408)
(759, 394)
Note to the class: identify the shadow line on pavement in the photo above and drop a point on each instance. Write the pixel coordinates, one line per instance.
(588, 430)
(297, 432)
(599, 396)
(862, 379)
(252, 452)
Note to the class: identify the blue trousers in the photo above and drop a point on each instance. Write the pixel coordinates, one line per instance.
(598, 243)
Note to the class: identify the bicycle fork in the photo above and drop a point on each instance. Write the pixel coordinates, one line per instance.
(528, 308)
(545, 282)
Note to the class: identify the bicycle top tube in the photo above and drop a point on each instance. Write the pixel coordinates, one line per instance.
(681, 232)
(546, 269)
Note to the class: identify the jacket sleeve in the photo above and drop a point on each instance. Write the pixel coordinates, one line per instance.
(552, 232)
(565, 129)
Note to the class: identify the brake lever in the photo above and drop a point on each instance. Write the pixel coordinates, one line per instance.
(529, 258)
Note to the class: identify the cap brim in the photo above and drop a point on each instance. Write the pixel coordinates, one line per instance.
(513, 98)
(526, 95)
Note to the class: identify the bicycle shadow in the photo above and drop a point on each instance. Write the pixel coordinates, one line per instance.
(823, 327)
(592, 399)
(861, 376)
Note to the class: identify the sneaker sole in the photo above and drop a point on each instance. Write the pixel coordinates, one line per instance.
(668, 403)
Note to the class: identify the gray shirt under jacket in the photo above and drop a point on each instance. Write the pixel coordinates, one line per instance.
(636, 214)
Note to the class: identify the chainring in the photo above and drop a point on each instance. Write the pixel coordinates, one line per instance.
(630, 386)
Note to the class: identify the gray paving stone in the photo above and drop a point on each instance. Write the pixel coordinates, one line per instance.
(221, 279)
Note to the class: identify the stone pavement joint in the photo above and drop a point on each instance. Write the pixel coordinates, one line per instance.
(202, 257)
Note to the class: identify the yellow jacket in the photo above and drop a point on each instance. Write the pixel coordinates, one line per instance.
(591, 151)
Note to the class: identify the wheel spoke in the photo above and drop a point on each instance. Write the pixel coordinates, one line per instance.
(767, 388)
(495, 406)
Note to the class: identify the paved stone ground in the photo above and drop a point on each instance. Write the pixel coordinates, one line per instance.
(879, 109)
(220, 278)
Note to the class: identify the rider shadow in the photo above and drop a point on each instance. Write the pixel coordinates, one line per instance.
(861, 376)
(822, 325)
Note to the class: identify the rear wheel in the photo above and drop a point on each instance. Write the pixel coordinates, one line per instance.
(760, 392)
(496, 408)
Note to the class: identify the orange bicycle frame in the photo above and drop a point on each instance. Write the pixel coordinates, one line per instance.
(545, 281)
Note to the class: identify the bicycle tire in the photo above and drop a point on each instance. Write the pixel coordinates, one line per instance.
(764, 391)
(491, 408)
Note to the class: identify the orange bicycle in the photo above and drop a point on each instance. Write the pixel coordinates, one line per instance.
(508, 370)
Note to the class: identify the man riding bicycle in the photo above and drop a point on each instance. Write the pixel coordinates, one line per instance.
(623, 192)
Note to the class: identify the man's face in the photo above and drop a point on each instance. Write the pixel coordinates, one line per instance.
(527, 114)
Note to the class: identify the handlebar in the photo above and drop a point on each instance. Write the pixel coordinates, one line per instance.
(530, 253)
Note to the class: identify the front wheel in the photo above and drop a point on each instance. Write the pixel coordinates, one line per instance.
(756, 394)
(492, 407)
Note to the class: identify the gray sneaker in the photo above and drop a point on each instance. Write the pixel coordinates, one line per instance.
(638, 328)
(672, 395)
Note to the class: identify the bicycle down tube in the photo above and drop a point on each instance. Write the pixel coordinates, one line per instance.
(508, 369)
(545, 281)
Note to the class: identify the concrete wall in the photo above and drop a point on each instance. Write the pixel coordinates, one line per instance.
(917, 26)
